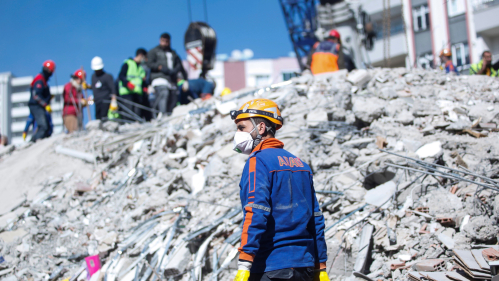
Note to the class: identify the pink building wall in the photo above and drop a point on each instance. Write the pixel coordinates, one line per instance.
(235, 75)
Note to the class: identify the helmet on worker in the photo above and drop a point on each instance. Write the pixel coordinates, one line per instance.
(225, 91)
(49, 66)
(256, 119)
(97, 64)
(334, 35)
(78, 75)
(446, 53)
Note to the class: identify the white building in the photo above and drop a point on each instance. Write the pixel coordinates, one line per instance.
(420, 29)
(14, 110)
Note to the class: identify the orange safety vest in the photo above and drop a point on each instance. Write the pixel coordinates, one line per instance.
(325, 57)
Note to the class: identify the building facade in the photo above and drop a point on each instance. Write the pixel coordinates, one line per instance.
(14, 110)
(420, 29)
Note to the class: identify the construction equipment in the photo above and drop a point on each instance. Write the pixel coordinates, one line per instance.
(200, 41)
(309, 21)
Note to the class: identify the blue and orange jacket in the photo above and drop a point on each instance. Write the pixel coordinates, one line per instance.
(325, 57)
(283, 225)
(449, 67)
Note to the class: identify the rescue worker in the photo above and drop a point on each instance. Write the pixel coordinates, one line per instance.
(31, 121)
(102, 84)
(165, 64)
(72, 113)
(39, 101)
(132, 84)
(484, 67)
(283, 228)
(446, 59)
(194, 88)
(324, 55)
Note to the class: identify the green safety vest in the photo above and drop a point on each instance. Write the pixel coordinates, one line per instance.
(474, 68)
(136, 75)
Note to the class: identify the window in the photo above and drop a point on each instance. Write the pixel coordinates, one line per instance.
(421, 18)
(461, 55)
(19, 119)
(455, 7)
(261, 80)
(19, 104)
(288, 75)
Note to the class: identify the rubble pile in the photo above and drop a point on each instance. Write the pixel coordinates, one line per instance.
(405, 168)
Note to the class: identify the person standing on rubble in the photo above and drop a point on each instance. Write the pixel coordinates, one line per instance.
(446, 59)
(165, 64)
(102, 84)
(31, 121)
(324, 56)
(39, 101)
(484, 66)
(72, 113)
(283, 229)
(132, 83)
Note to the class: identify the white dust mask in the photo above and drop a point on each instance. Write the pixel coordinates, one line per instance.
(243, 142)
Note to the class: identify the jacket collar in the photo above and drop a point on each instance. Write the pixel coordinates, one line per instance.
(269, 143)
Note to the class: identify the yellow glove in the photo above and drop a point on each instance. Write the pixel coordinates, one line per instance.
(83, 102)
(48, 108)
(242, 275)
(85, 86)
(24, 136)
(321, 276)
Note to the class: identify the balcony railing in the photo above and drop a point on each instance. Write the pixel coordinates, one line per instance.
(483, 4)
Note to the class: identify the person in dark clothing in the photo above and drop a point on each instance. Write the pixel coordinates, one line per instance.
(132, 84)
(194, 88)
(103, 88)
(39, 101)
(165, 64)
(31, 121)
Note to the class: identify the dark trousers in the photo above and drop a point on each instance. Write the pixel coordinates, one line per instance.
(135, 98)
(101, 109)
(291, 274)
(146, 114)
(39, 114)
(166, 99)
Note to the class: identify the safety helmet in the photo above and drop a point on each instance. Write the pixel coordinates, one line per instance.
(225, 91)
(446, 52)
(50, 65)
(96, 63)
(334, 33)
(79, 74)
(259, 108)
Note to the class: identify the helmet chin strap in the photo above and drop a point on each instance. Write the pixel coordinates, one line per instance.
(258, 139)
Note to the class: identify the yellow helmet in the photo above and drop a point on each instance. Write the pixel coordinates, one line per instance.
(259, 108)
(225, 92)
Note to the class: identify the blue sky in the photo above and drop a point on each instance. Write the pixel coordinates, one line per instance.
(72, 32)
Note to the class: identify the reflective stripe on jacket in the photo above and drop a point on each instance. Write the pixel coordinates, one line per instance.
(40, 91)
(325, 57)
(475, 68)
(136, 75)
(283, 225)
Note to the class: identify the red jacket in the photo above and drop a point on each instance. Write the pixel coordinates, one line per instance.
(72, 98)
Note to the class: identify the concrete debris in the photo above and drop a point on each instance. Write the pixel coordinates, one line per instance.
(405, 167)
